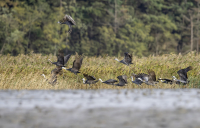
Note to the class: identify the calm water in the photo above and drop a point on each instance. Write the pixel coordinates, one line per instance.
(100, 108)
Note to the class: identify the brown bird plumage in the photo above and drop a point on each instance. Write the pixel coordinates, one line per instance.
(54, 74)
(76, 64)
(67, 19)
(89, 79)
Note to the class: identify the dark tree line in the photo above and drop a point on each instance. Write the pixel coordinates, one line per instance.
(110, 27)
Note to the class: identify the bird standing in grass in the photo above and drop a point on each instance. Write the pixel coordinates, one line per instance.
(127, 59)
(67, 19)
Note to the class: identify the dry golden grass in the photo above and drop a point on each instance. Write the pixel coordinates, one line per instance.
(24, 71)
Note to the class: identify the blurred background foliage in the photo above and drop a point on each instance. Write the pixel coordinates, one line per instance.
(104, 27)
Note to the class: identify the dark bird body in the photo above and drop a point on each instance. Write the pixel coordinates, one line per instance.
(60, 60)
(122, 80)
(67, 19)
(183, 75)
(167, 81)
(110, 81)
(127, 59)
(149, 79)
(66, 58)
(54, 74)
(89, 79)
(139, 78)
(76, 65)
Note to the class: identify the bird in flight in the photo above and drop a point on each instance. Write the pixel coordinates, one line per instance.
(89, 79)
(76, 64)
(67, 19)
(127, 59)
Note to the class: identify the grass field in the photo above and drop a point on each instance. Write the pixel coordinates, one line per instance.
(24, 71)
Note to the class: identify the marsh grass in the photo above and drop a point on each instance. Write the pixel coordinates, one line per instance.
(24, 71)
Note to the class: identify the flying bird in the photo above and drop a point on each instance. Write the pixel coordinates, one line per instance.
(66, 58)
(76, 64)
(122, 80)
(67, 19)
(149, 79)
(110, 81)
(183, 75)
(89, 79)
(167, 81)
(139, 78)
(60, 60)
(54, 74)
(127, 59)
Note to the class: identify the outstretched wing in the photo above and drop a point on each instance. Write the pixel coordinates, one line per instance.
(128, 58)
(121, 80)
(66, 58)
(143, 76)
(152, 75)
(89, 77)
(125, 78)
(110, 81)
(60, 58)
(69, 19)
(182, 76)
(183, 73)
(77, 63)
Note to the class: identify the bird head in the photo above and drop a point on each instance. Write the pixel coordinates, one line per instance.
(116, 59)
(132, 78)
(100, 79)
(160, 79)
(83, 80)
(174, 78)
(43, 75)
(64, 68)
(61, 21)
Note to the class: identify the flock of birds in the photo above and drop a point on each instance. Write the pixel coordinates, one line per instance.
(149, 79)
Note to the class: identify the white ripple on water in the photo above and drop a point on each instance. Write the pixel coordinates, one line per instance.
(159, 99)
